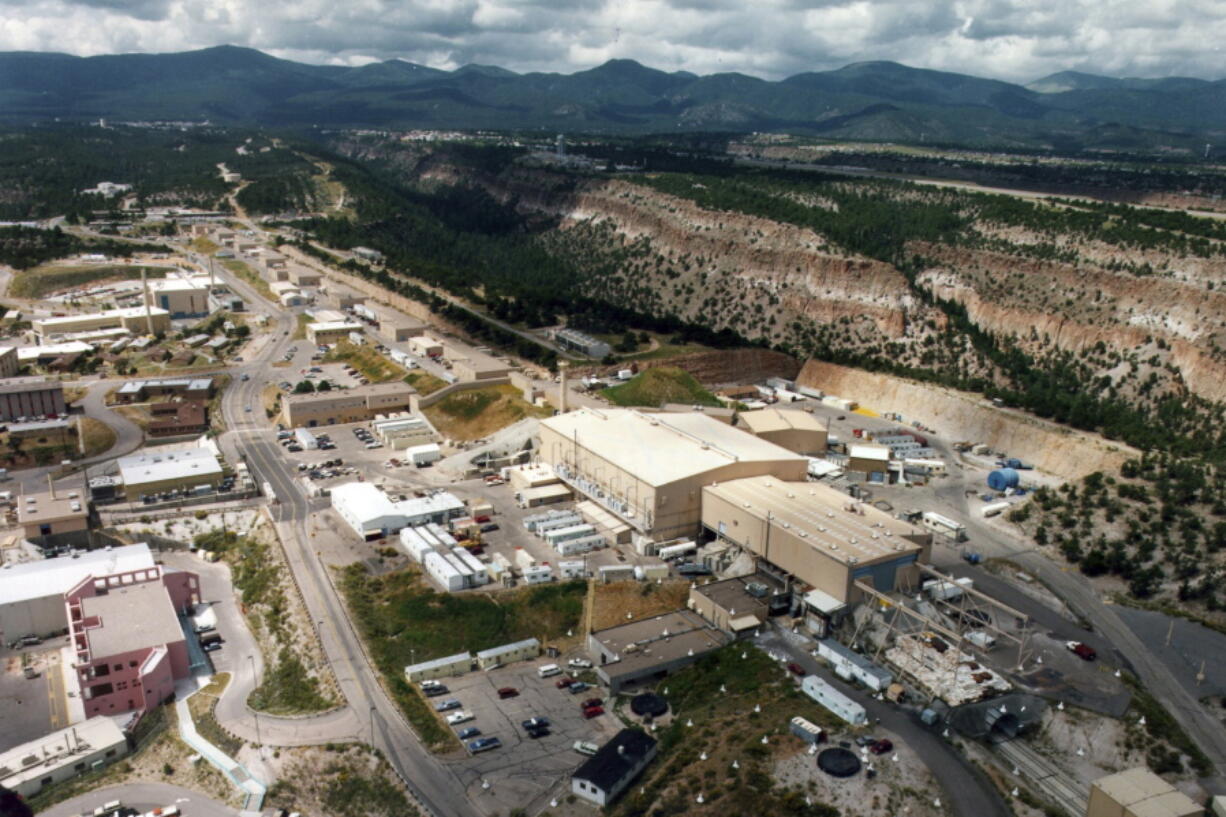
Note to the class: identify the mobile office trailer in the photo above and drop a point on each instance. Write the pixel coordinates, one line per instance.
(943, 525)
(443, 572)
(478, 574)
(414, 544)
(539, 574)
(306, 439)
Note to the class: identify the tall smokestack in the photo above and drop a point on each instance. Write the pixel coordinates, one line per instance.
(562, 367)
(144, 285)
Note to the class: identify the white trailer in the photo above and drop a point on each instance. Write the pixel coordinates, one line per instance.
(479, 575)
(421, 455)
(995, 508)
(412, 543)
(306, 439)
(571, 569)
(556, 537)
(443, 572)
(835, 701)
(539, 574)
(943, 525)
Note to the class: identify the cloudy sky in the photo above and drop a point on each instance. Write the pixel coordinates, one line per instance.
(1009, 39)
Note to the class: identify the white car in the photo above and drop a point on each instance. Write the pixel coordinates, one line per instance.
(579, 663)
(462, 716)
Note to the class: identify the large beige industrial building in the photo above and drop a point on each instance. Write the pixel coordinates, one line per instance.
(817, 534)
(355, 405)
(180, 297)
(1139, 793)
(796, 430)
(136, 319)
(325, 333)
(650, 469)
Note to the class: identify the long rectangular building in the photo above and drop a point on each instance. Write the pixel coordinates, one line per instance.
(136, 319)
(30, 397)
(345, 405)
(817, 534)
(649, 469)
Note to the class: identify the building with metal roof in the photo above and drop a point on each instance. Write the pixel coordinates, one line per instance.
(30, 397)
(1139, 793)
(649, 469)
(372, 514)
(581, 342)
(32, 593)
(606, 774)
(816, 533)
(345, 405)
(156, 471)
(794, 430)
(136, 319)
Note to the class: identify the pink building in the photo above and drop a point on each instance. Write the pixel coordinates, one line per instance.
(130, 646)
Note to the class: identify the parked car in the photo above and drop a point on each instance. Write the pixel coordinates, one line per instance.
(488, 527)
(796, 668)
(508, 692)
(434, 692)
(538, 732)
(535, 723)
(563, 683)
(462, 716)
(211, 646)
(593, 702)
(444, 706)
(593, 712)
(468, 732)
(1082, 651)
(584, 747)
(865, 740)
(882, 746)
(578, 686)
(482, 518)
(483, 745)
(579, 663)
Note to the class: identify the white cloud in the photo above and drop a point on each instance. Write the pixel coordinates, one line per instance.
(770, 38)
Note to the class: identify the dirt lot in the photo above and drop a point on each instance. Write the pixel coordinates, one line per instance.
(618, 602)
(336, 781)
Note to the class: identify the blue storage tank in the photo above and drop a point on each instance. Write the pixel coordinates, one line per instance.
(1003, 478)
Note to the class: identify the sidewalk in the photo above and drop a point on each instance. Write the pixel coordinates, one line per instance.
(231, 768)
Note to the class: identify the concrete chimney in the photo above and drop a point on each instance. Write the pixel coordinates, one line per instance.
(562, 367)
(144, 285)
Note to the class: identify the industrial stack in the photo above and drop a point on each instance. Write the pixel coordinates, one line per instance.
(453, 567)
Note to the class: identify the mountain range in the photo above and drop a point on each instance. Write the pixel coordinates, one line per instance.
(869, 100)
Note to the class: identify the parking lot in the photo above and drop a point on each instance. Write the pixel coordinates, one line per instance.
(25, 703)
(523, 768)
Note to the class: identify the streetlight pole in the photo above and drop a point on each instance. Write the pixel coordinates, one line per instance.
(258, 740)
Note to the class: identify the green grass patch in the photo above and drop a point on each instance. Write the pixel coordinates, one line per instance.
(660, 385)
(477, 413)
(424, 382)
(404, 621)
(40, 281)
(371, 364)
(288, 689)
(249, 275)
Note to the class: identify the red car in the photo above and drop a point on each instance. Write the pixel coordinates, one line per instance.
(508, 692)
(882, 746)
(1082, 651)
(482, 518)
(564, 682)
(796, 668)
(593, 712)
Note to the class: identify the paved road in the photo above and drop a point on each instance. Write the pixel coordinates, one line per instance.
(429, 780)
(143, 796)
(968, 792)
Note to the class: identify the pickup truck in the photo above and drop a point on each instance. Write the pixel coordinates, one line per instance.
(1082, 651)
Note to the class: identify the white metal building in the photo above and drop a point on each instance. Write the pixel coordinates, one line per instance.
(832, 699)
(32, 593)
(372, 514)
(29, 768)
(850, 665)
(156, 471)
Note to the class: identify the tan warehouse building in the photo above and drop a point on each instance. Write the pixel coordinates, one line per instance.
(136, 319)
(345, 406)
(180, 297)
(649, 469)
(795, 430)
(817, 534)
(1139, 793)
(325, 333)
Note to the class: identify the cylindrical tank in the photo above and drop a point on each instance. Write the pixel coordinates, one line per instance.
(1003, 478)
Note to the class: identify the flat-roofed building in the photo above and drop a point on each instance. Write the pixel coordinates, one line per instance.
(136, 319)
(740, 605)
(470, 365)
(155, 472)
(180, 297)
(129, 645)
(79, 749)
(817, 534)
(372, 514)
(329, 332)
(649, 469)
(397, 326)
(339, 406)
(32, 593)
(652, 647)
(188, 388)
(178, 419)
(425, 346)
(796, 430)
(30, 397)
(1139, 793)
(303, 277)
(582, 343)
(400, 433)
(871, 460)
(45, 515)
(9, 362)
